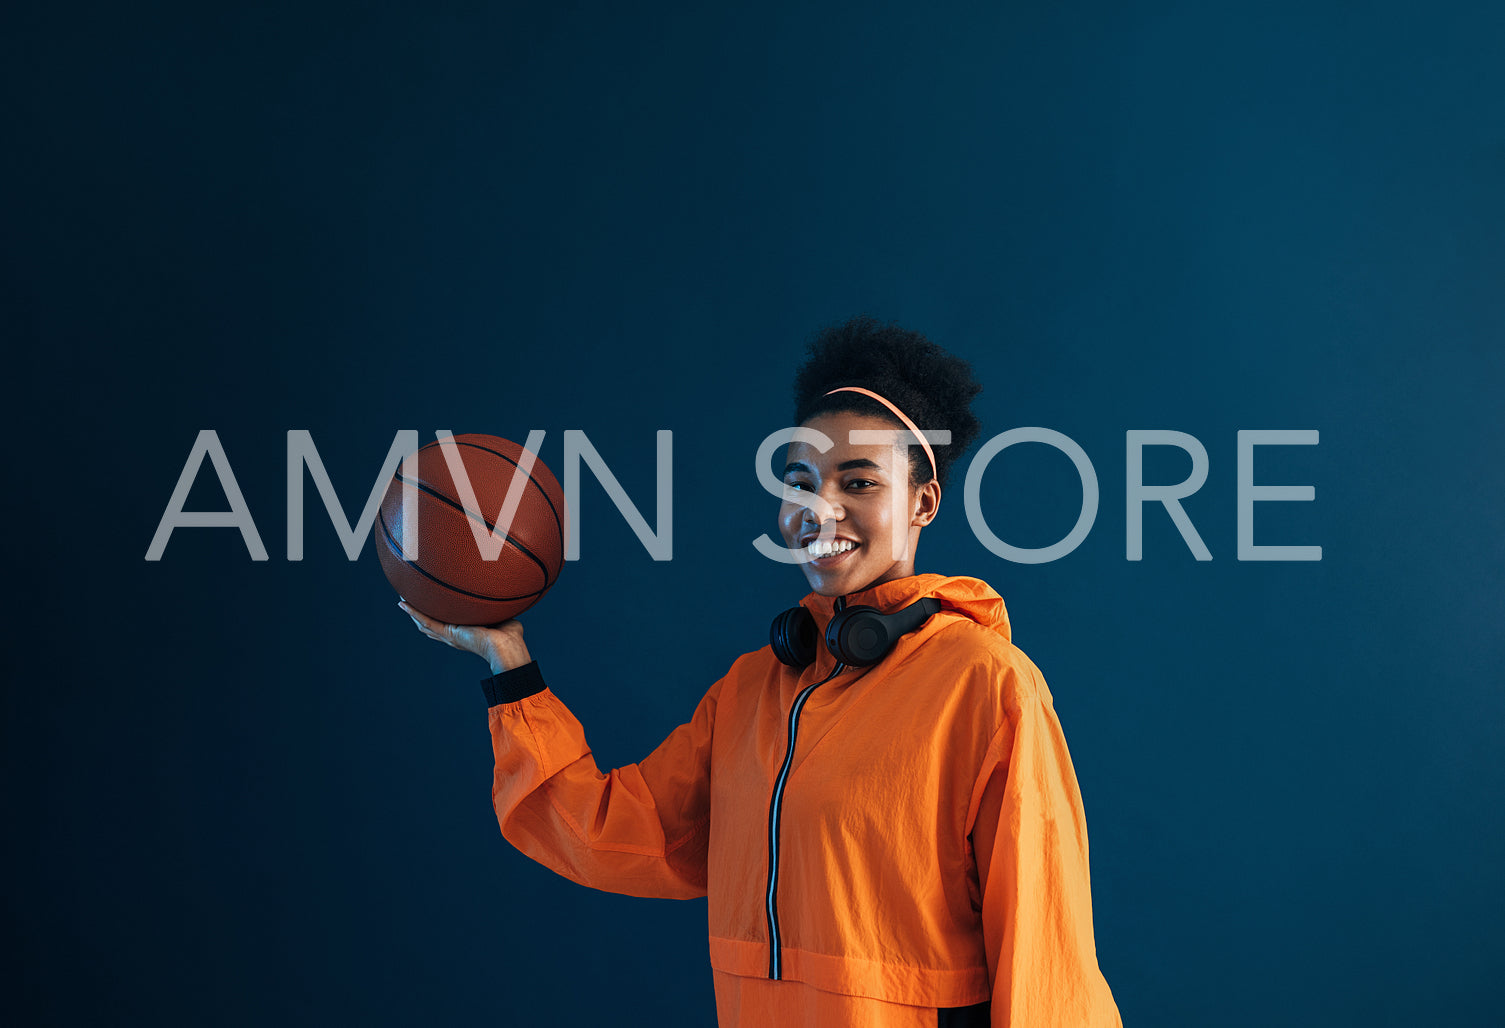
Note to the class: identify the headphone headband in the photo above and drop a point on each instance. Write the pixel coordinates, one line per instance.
(857, 636)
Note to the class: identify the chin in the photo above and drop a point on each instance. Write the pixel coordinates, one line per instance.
(843, 585)
(820, 584)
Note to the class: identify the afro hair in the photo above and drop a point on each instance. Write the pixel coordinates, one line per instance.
(932, 387)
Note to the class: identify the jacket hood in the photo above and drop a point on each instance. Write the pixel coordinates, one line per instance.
(971, 597)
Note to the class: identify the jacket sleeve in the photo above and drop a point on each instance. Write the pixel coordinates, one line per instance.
(640, 829)
(1029, 838)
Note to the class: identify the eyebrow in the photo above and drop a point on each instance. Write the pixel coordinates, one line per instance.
(797, 467)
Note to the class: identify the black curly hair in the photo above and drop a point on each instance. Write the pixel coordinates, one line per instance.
(934, 388)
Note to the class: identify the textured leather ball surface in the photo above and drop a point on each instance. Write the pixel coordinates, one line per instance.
(445, 575)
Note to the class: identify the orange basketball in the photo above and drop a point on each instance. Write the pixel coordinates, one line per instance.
(448, 574)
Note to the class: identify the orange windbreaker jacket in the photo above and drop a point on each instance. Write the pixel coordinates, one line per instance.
(924, 848)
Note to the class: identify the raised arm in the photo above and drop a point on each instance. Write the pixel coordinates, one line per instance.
(641, 829)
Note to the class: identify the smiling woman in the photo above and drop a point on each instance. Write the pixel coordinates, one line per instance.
(879, 805)
(862, 517)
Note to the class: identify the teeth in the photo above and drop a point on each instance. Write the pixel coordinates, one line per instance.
(820, 549)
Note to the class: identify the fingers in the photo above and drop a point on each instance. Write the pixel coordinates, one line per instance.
(429, 627)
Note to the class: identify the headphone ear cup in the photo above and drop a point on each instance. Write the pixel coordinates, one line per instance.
(792, 636)
(859, 636)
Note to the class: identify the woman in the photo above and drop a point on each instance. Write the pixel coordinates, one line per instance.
(898, 844)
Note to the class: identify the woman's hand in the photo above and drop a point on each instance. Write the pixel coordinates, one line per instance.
(500, 645)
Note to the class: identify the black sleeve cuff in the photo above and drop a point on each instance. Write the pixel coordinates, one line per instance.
(513, 685)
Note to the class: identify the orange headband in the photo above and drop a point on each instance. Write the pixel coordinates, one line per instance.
(898, 414)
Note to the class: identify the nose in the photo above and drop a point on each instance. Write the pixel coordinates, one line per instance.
(811, 518)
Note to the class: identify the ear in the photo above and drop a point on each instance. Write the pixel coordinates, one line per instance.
(927, 503)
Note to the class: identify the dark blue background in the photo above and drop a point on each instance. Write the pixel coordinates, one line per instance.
(249, 793)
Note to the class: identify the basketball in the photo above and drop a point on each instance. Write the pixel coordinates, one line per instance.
(439, 562)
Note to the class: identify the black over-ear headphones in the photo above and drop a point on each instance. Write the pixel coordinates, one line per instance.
(857, 636)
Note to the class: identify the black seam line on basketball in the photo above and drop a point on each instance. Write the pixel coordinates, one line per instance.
(382, 518)
(558, 521)
(543, 570)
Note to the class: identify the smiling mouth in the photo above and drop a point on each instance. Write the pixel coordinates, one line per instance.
(823, 553)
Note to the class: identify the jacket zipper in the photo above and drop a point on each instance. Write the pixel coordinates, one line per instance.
(775, 807)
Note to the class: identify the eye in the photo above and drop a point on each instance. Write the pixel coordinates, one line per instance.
(861, 483)
(798, 485)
